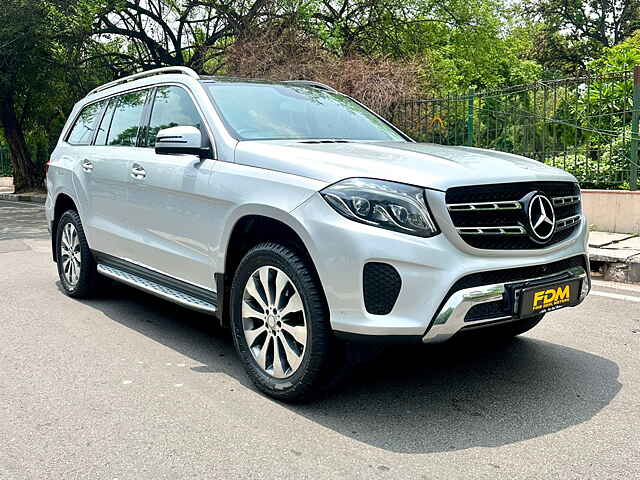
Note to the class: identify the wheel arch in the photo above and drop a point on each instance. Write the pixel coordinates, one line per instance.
(250, 230)
(63, 202)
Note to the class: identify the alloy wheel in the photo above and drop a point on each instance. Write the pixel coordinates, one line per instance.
(274, 322)
(70, 253)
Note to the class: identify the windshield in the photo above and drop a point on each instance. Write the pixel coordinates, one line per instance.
(256, 111)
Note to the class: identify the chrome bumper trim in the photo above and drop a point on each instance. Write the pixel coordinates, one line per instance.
(450, 318)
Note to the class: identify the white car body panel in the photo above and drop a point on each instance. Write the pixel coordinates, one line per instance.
(426, 165)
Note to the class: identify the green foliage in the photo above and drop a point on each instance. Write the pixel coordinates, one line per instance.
(619, 57)
(599, 166)
(571, 33)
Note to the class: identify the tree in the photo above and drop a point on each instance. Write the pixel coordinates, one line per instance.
(571, 33)
(39, 80)
(24, 55)
(143, 34)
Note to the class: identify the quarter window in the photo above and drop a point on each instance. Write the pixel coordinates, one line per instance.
(126, 119)
(82, 131)
(172, 107)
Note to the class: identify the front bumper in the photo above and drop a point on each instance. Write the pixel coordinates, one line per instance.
(429, 268)
(452, 317)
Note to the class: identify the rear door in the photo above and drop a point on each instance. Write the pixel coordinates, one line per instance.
(114, 152)
(80, 153)
(169, 196)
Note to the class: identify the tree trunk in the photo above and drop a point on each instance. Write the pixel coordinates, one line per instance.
(26, 176)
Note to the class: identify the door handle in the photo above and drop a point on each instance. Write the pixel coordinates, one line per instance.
(137, 171)
(87, 166)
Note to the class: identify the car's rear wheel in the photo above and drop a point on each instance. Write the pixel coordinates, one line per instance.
(76, 265)
(280, 323)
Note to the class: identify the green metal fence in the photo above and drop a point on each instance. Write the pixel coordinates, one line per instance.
(5, 163)
(587, 126)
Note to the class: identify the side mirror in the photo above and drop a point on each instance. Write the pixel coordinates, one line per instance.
(180, 140)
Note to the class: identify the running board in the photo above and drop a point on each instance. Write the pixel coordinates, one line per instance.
(157, 289)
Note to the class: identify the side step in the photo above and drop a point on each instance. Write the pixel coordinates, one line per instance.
(154, 288)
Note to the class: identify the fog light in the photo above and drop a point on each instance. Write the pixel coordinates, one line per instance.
(586, 287)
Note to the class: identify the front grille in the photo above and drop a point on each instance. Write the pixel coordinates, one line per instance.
(492, 217)
(381, 285)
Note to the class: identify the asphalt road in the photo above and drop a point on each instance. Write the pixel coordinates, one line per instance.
(126, 386)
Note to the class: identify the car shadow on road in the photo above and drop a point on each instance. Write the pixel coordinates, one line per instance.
(416, 399)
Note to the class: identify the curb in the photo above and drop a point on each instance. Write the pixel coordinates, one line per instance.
(617, 267)
(12, 197)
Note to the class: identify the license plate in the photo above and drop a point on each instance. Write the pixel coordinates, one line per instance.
(546, 298)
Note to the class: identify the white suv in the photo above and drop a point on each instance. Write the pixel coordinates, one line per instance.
(299, 218)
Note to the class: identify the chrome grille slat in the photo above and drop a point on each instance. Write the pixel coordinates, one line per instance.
(507, 230)
(484, 206)
(563, 223)
(568, 200)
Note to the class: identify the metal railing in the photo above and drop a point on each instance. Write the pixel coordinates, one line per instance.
(5, 163)
(587, 126)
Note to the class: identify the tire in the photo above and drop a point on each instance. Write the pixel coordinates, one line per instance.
(78, 275)
(262, 326)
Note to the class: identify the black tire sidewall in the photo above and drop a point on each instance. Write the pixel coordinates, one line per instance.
(87, 265)
(306, 378)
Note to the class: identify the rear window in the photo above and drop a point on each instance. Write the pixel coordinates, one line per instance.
(103, 129)
(126, 119)
(82, 131)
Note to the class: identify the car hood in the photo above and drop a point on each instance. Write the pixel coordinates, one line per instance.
(423, 164)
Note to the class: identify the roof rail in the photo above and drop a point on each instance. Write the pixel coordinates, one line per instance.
(309, 83)
(148, 73)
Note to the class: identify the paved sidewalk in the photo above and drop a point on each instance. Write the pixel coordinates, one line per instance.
(6, 193)
(619, 253)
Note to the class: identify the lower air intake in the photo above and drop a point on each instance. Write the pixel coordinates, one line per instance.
(381, 287)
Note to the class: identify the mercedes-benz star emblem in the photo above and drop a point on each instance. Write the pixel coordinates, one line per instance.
(542, 218)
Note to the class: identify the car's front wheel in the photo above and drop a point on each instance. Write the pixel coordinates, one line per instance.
(76, 266)
(280, 323)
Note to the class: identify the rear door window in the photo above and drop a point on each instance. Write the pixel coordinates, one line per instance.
(105, 123)
(126, 119)
(172, 107)
(82, 131)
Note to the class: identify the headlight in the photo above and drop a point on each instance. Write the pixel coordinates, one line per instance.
(389, 205)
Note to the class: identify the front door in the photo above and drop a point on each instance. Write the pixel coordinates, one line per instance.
(170, 206)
